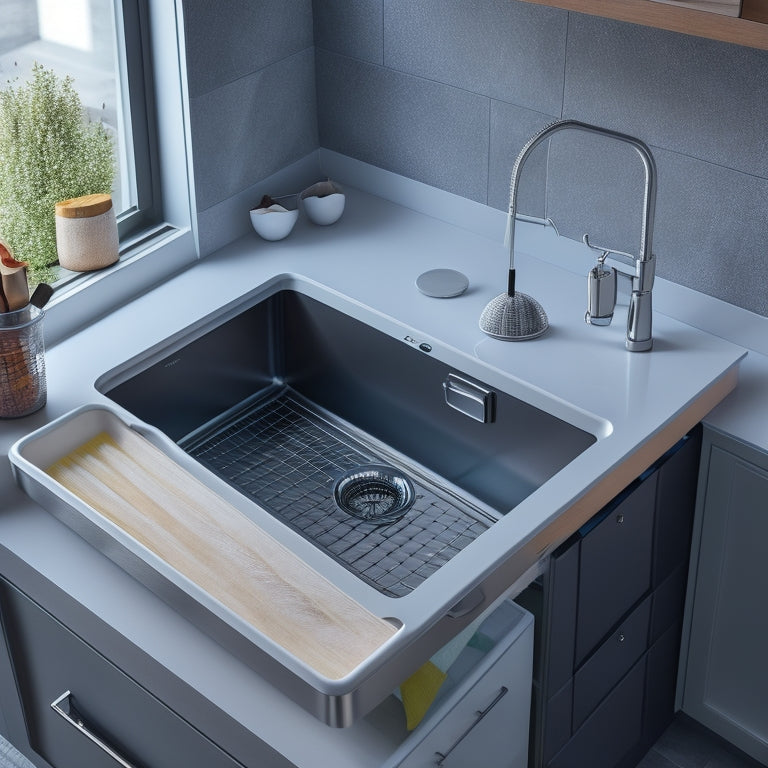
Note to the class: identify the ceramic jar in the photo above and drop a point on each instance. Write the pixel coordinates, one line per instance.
(86, 233)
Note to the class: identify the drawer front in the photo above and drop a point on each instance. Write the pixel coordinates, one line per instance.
(610, 662)
(489, 724)
(612, 730)
(615, 567)
(102, 716)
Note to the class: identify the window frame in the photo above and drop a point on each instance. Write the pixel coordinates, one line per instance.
(162, 239)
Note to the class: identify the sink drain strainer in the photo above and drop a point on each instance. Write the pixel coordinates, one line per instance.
(375, 493)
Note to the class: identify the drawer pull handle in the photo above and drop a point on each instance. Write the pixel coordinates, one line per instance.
(65, 706)
(481, 713)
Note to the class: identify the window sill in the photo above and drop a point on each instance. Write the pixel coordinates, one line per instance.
(145, 262)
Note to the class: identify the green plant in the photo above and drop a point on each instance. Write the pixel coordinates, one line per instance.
(49, 152)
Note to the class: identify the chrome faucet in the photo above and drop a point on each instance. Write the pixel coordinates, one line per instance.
(641, 268)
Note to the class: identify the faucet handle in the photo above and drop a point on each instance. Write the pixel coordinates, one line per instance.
(627, 258)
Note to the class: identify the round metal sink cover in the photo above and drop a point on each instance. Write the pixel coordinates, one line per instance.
(376, 493)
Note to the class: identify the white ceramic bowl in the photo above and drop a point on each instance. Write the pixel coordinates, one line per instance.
(274, 222)
(323, 202)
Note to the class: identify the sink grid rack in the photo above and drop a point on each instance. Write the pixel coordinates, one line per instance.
(287, 457)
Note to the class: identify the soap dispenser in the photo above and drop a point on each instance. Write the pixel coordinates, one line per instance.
(601, 292)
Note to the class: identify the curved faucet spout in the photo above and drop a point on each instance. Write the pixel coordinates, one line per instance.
(639, 334)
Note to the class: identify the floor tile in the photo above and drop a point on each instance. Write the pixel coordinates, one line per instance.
(688, 744)
(654, 759)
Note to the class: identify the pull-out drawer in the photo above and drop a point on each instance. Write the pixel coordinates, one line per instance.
(81, 710)
(615, 566)
(485, 717)
(600, 673)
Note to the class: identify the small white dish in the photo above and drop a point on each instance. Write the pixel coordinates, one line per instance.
(275, 221)
(323, 202)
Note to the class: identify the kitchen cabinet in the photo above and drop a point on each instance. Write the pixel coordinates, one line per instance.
(726, 675)
(609, 609)
(747, 30)
(80, 709)
(72, 706)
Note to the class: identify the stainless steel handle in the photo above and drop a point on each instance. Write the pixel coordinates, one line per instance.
(65, 707)
(443, 756)
(470, 398)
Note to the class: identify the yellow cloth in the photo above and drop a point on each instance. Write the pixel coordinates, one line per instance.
(419, 691)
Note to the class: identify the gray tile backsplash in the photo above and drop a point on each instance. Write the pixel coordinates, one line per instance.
(712, 233)
(697, 97)
(596, 186)
(351, 29)
(447, 92)
(430, 131)
(229, 40)
(514, 52)
(250, 128)
(511, 127)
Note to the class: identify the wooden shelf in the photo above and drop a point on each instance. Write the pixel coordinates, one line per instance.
(714, 26)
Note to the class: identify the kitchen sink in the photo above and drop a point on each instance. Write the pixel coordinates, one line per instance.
(289, 397)
(364, 467)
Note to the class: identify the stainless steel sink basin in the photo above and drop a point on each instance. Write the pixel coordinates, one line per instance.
(285, 397)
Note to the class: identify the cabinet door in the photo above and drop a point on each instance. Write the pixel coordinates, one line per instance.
(615, 570)
(727, 674)
(101, 717)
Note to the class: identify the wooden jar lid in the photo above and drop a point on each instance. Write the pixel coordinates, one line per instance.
(84, 207)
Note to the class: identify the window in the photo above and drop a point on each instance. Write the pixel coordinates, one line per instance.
(132, 81)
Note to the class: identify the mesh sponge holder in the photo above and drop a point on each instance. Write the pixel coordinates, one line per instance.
(514, 316)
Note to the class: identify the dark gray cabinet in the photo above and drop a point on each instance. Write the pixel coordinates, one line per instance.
(609, 610)
(101, 717)
(71, 707)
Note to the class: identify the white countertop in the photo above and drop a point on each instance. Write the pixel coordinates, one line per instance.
(373, 256)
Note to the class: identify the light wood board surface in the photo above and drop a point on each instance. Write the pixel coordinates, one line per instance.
(170, 512)
(688, 20)
(726, 7)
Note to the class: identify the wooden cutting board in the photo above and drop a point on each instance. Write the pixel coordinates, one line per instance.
(170, 512)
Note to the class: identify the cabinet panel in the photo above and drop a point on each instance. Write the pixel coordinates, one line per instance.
(612, 730)
(668, 602)
(561, 620)
(660, 685)
(600, 673)
(120, 716)
(557, 726)
(727, 676)
(615, 569)
(676, 504)
(611, 591)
